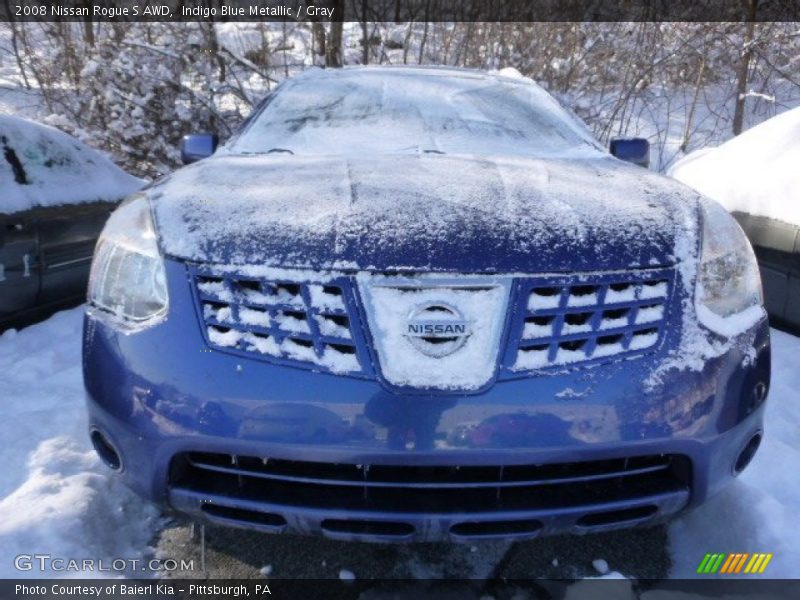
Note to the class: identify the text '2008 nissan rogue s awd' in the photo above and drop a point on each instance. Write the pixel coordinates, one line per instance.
(423, 304)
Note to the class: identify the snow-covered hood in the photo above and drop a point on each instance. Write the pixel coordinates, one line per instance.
(423, 212)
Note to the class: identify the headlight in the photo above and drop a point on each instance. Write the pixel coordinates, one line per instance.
(127, 277)
(729, 282)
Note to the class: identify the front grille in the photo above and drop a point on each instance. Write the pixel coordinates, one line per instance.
(429, 489)
(285, 320)
(308, 319)
(569, 320)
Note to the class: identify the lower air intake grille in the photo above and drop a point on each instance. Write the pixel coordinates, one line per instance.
(291, 321)
(565, 321)
(428, 489)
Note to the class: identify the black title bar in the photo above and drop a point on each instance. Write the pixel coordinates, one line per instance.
(277, 589)
(401, 10)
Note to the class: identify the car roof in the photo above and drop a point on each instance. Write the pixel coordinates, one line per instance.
(510, 75)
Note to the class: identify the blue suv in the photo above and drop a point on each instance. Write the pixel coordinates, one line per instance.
(423, 304)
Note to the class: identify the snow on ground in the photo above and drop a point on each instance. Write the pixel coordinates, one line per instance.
(755, 172)
(56, 497)
(758, 513)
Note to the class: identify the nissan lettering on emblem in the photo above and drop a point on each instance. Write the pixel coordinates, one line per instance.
(437, 329)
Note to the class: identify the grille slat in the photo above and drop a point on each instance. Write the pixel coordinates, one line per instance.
(525, 343)
(610, 306)
(368, 483)
(308, 323)
(435, 489)
(571, 321)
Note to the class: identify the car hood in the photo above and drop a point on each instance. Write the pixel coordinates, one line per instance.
(423, 212)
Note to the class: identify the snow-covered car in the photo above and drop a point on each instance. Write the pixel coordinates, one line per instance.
(423, 304)
(756, 177)
(55, 196)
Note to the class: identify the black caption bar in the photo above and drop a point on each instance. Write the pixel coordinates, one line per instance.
(200, 589)
(401, 10)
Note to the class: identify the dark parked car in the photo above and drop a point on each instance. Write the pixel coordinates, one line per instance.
(777, 247)
(423, 304)
(756, 177)
(55, 196)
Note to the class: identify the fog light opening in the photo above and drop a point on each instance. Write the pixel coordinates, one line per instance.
(759, 393)
(747, 454)
(105, 450)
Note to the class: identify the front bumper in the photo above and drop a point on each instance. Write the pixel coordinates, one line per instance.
(166, 403)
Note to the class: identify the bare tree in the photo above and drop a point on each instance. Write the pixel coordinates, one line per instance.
(134, 88)
(743, 71)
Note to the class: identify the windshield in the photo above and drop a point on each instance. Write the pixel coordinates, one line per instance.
(380, 111)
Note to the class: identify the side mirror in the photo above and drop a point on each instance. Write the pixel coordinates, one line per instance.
(197, 147)
(632, 150)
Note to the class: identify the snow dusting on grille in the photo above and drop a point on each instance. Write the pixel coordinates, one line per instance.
(281, 319)
(567, 321)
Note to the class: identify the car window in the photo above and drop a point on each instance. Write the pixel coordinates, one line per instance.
(379, 112)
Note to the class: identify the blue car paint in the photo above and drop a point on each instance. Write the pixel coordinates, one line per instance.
(165, 397)
(162, 391)
(495, 229)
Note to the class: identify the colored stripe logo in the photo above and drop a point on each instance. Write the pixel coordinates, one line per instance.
(735, 562)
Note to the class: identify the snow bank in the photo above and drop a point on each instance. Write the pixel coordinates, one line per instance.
(56, 169)
(758, 513)
(756, 172)
(55, 496)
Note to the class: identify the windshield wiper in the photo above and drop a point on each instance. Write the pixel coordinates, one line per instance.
(420, 150)
(283, 150)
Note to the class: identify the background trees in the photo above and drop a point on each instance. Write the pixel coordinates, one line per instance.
(135, 89)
